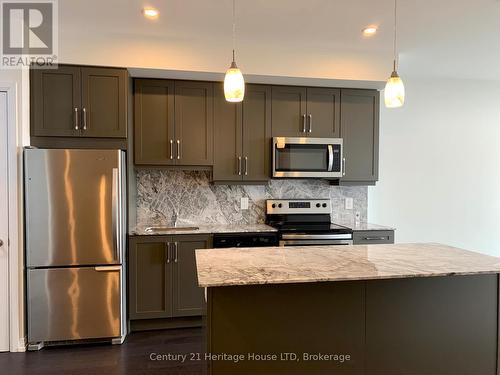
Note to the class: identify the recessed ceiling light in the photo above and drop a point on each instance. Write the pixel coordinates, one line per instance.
(150, 13)
(369, 31)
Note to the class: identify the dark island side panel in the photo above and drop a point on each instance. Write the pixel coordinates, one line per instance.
(435, 325)
(298, 318)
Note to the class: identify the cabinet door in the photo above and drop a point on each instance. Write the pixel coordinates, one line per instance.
(104, 102)
(154, 122)
(150, 292)
(288, 111)
(360, 131)
(228, 138)
(323, 110)
(188, 297)
(256, 133)
(55, 101)
(194, 122)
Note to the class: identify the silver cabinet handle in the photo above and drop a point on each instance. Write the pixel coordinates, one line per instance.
(343, 166)
(108, 268)
(171, 149)
(84, 110)
(310, 123)
(176, 255)
(246, 166)
(239, 165)
(304, 124)
(376, 238)
(167, 249)
(77, 125)
(178, 149)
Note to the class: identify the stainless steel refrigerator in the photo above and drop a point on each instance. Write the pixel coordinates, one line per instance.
(75, 239)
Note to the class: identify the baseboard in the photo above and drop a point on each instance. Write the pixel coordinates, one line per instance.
(171, 323)
(20, 347)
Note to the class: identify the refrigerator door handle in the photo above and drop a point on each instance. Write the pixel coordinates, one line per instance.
(108, 268)
(114, 212)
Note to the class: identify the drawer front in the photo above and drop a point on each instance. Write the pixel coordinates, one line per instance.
(373, 237)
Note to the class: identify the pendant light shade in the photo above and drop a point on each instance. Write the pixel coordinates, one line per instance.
(234, 83)
(394, 93)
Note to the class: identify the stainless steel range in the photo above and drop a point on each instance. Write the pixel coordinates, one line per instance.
(303, 222)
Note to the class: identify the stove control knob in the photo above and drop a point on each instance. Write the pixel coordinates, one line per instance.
(318, 205)
(273, 205)
(324, 205)
(280, 205)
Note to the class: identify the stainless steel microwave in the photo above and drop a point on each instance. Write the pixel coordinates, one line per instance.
(304, 157)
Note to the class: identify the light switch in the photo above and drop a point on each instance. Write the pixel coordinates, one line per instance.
(244, 203)
(349, 203)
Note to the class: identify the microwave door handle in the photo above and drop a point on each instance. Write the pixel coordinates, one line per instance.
(330, 158)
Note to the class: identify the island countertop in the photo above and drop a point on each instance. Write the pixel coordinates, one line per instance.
(281, 265)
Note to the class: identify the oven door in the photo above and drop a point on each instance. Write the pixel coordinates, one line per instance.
(307, 157)
(315, 239)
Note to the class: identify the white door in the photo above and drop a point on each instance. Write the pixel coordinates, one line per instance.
(4, 228)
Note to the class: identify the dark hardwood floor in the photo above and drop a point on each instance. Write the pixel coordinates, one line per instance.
(131, 358)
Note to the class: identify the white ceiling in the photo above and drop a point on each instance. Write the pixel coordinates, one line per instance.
(309, 38)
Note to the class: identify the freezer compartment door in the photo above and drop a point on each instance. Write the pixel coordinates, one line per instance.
(74, 303)
(73, 207)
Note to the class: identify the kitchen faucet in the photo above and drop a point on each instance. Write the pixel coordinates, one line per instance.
(174, 219)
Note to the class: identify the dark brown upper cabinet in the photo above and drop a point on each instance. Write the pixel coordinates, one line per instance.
(194, 122)
(173, 122)
(301, 111)
(74, 101)
(323, 112)
(154, 122)
(243, 136)
(163, 280)
(289, 114)
(104, 102)
(360, 131)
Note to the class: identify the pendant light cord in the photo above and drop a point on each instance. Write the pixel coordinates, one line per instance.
(395, 34)
(234, 27)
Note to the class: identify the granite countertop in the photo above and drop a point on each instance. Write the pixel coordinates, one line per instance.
(206, 229)
(275, 265)
(360, 225)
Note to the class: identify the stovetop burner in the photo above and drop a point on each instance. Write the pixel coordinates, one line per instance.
(305, 222)
(304, 215)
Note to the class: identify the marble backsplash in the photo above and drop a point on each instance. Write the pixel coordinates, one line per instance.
(190, 194)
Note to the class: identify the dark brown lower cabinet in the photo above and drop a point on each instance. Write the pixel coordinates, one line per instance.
(162, 276)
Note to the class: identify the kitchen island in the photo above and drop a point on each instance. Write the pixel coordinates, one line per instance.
(369, 309)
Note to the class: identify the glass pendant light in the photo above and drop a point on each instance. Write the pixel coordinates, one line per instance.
(234, 84)
(394, 93)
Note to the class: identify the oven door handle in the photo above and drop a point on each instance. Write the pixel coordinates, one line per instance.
(283, 243)
(330, 158)
(291, 236)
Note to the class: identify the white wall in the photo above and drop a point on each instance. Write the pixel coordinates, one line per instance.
(19, 80)
(440, 165)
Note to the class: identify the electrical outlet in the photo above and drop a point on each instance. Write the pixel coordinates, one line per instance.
(244, 203)
(349, 203)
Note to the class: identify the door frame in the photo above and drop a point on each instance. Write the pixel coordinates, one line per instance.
(14, 184)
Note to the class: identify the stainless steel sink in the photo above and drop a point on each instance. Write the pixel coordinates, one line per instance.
(169, 229)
